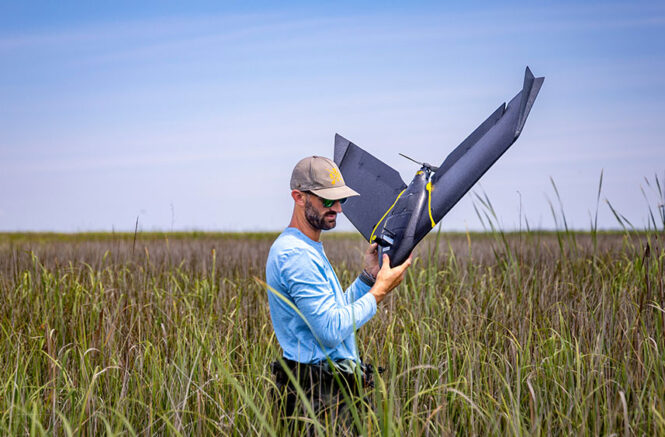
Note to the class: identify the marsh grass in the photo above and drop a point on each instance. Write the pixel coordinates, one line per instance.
(493, 333)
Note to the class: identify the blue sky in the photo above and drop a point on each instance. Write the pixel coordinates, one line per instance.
(192, 115)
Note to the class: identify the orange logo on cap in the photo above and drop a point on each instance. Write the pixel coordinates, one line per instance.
(335, 176)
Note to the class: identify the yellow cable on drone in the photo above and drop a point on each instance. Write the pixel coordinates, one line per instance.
(429, 202)
(428, 187)
(372, 236)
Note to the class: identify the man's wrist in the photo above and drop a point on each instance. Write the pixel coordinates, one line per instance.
(377, 293)
(367, 278)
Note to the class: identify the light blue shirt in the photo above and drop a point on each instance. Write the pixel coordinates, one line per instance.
(300, 275)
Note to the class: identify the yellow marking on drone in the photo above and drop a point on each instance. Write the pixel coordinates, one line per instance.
(372, 236)
(335, 176)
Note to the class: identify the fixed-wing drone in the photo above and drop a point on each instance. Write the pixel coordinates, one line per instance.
(397, 217)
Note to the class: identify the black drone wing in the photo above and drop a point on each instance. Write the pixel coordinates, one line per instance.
(476, 154)
(377, 183)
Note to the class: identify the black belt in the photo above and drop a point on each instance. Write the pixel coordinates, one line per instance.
(320, 371)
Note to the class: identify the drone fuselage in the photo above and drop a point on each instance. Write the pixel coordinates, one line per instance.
(396, 234)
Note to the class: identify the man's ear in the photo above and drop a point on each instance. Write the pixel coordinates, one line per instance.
(298, 197)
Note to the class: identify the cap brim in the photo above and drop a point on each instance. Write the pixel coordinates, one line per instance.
(335, 193)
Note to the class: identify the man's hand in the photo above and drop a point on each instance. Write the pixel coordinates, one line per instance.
(371, 264)
(388, 278)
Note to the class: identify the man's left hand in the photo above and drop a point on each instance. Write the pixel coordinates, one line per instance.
(371, 264)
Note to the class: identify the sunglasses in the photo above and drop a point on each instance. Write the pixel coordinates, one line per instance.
(327, 203)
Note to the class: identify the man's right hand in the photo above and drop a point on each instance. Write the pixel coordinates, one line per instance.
(388, 278)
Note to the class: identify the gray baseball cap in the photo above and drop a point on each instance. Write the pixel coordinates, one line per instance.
(322, 177)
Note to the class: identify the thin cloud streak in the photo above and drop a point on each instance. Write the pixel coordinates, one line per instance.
(413, 27)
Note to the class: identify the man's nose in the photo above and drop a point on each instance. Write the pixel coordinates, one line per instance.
(337, 207)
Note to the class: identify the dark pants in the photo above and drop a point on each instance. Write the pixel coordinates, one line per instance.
(331, 392)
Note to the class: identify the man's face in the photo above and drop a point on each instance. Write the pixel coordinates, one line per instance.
(318, 216)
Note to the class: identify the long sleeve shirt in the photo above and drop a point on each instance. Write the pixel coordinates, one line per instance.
(312, 316)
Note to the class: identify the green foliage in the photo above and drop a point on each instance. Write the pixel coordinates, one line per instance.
(498, 333)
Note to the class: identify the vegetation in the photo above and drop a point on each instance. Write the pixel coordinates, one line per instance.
(498, 333)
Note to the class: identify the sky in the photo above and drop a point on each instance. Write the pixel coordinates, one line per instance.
(191, 115)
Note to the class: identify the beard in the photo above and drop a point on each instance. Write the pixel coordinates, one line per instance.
(317, 220)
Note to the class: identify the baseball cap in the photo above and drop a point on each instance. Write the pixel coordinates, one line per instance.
(322, 177)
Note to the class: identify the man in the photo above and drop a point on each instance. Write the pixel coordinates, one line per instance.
(313, 318)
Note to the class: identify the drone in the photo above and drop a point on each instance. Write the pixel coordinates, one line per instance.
(396, 216)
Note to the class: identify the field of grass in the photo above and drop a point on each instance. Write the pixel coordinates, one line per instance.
(504, 334)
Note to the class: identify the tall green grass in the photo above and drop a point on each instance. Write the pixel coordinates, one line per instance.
(496, 333)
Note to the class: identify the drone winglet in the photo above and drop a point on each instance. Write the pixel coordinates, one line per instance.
(529, 93)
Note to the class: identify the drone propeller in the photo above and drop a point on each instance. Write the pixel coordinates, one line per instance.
(430, 167)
